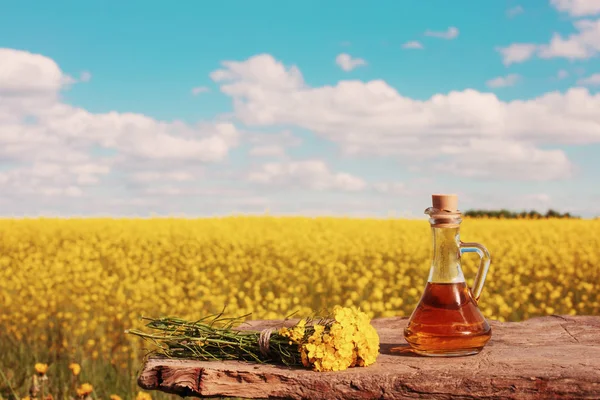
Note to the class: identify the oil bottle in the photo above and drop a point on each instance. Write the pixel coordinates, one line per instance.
(447, 321)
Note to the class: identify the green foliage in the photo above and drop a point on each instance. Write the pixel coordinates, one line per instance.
(17, 360)
(506, 214)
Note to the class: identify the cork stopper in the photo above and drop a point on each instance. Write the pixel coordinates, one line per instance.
(444, 211)
(446, 202)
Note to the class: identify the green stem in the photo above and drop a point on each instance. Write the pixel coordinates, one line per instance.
(9, 385)
(176, 338)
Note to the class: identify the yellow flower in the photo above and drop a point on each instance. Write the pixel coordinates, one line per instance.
(349, 341)
(143, 396)
(41, 368)
(115, 397)
(307, 263)
(84, 389)
(75, 368)
(296, 334)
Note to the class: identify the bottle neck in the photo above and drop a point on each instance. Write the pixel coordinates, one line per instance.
(445, 265)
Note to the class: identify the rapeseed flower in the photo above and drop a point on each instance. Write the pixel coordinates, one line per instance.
(84, 389)
(268, 267)
(41, 368)
(75, 368)
(349, 341)
(143, 396)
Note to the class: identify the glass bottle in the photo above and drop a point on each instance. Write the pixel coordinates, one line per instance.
(447, 321)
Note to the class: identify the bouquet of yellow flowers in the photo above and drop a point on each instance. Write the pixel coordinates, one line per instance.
(330, 344)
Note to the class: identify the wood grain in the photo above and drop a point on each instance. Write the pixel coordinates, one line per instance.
(554, 357)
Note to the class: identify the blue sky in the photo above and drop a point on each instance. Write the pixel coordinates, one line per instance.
(205, 108)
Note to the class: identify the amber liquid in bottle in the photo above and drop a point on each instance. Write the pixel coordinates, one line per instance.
(447, 322)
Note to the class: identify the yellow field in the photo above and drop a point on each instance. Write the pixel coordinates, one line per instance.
(73, 286)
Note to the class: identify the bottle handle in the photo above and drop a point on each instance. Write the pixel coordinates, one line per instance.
(484, 265)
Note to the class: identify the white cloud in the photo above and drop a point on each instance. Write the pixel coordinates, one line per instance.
(314, 174)
(164, 145)
(73, 191)
(59, 157)
(166, 190)
(507, 160)
(27, 74)
(70, 191)
(412, 45)
(514, 11)
(49, 144)
(153, 176)
(504, 81)
(200, 89)
(592, 80)
(52, 178)
(390, 187)
(90, 172)
(517, 52)
(271, 144)
(253, 73)
(268, 150)
(372, 118)
(347, 63)
(562, 74)
(583, 44)
(221, 195)
(449, 34)
(577, 8)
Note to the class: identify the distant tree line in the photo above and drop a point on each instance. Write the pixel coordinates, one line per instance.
(513, 215)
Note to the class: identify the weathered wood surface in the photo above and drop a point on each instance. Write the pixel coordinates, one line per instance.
(555, 357)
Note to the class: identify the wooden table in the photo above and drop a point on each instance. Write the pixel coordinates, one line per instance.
(554, 357)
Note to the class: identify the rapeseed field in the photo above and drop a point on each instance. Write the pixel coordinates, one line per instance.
(69, 288)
